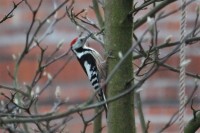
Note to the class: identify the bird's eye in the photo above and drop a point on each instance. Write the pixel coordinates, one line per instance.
(81, 40)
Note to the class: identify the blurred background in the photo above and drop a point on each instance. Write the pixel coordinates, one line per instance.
(159, 94)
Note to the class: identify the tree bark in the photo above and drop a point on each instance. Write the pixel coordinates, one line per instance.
(193, 125)
(118, 39)
(97, 121)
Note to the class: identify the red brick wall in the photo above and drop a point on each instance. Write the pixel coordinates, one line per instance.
(160, 94)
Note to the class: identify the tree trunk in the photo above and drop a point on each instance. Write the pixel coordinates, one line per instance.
(193, 125)
(118, 39)
(97, 121)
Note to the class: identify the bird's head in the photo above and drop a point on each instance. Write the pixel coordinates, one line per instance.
(78, 42)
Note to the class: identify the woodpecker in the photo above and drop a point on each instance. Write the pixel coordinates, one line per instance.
(92, 64)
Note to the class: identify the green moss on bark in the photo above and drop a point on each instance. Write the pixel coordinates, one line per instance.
(118, 38)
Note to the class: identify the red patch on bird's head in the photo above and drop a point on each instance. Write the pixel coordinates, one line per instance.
(73, 41)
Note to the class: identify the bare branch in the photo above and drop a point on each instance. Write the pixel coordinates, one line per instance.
(10, 14)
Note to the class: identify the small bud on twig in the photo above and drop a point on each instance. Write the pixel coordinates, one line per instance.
(150, 21)
(185, 62)
(120, 55)
(44, 73)
(32, 93)
(16, 101)
(49, 76)
(77, 28)
(57, 92)
(2, 103)
(14, 57)
(48, 20)
(60, 43)
(168, 39)
(37, 90)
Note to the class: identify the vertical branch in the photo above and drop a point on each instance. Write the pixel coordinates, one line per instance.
(50, 27)
(97, 12)
(155, 30)
(140, 112)
(27, 44)
(23, 54)
(10, 14)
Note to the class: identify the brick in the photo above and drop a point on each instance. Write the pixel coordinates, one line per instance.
(169, 26)
(72, 71)
(3, 70)
(194, 65)
(192, 7)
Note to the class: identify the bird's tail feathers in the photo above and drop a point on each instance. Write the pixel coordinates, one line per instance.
(102, 98)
